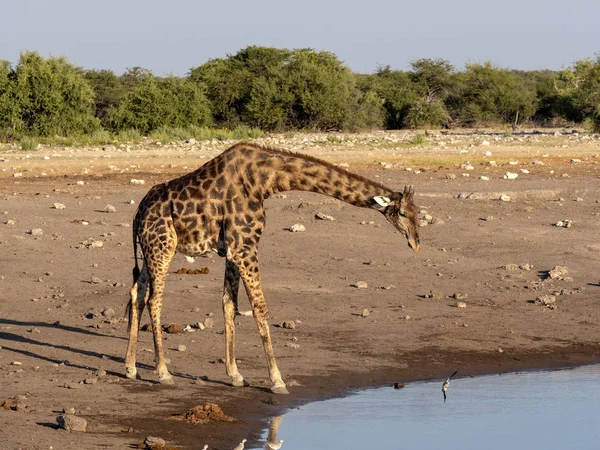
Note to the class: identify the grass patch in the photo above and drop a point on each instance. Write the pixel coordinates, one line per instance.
(29, 144)
(418, 139)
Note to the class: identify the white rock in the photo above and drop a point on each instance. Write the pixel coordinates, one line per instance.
(297, 227)
(59, 206)
(110, 209)
(505, 198)
(134, 181)
(484, 178)
(488, 153)
(36, 232)
(485, 143)
(361, 285)
(510, 175)
(524, 171)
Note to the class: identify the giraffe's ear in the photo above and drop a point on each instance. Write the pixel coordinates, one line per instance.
(382, 201)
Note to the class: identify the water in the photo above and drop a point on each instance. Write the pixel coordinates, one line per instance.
(540, 410)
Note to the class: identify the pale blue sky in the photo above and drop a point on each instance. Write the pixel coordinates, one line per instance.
(172, 36)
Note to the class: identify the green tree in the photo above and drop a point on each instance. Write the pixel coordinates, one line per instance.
(52, 96)
(160, 102)
(9, 108)
(108, 89)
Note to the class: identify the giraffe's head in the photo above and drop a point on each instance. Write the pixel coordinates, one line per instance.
(401, 211)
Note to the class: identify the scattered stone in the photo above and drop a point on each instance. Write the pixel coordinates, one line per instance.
(58, 206)
(450, 176)
(134, 181)
(36, 232)
(199, 325)
(511, 267)
(365, 312)
(154, 443)
(288, 324)
(564, 224)
(549, 301)
(484, 178)
(526, 266)
(292, 345)
(108, 313)
(458, 296)
(558, 273)
(96, 280)
(68, 410)
(434, 295)
(525, 171)
(398, 385)
(297, 228)
(505, 198)
(321, 216)
(360, 285)
(92, 380)
(209, 323)
(423, 223)
(575, 161)
(500, 350)
(437, 221)
(181, 348)
(486, 143)
(110, 209)
(487, 218)
(71, 422)
(510, 176)
(460, 305)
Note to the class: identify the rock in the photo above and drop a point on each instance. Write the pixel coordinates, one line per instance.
(500, 350)
(434, 295)
(288, 324)
(575, 161)
(110, 209)
(450, 176)
(558, 273)
(510, 176)
(91, 380)
(458, 296)
(154, 443)
(292, 345)
(423, 223)
(505, 198)
(209, 323)
(181, 348)
(487, 218)
(485, 143)
(321, 216)
(199, 325)
(58, 206)
(134, 181)
(36, 232)
(437, 221)
(109, 313)
(525, 171)
(564, 224)
(96, 280)
(428, 218)
(297, 227)
(360, 285)
(484, 178)
(71, 422)
(526, 266)
(549, 301)
(365, 312)
(68, 410)
(511, 267)
(461, 305)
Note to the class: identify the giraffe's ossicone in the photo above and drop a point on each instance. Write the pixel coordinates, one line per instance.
(219, 208)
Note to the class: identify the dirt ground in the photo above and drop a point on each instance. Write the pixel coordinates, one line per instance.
(58, 350)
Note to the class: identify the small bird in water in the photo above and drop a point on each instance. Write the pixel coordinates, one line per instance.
(446, 384)
(240, 446)
(275, 445)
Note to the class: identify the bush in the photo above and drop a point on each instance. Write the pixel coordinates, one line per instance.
(29, 144)
(596, 120)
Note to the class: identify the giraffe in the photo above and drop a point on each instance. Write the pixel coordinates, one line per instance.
(219, 208)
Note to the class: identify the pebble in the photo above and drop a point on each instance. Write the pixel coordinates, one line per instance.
(110, 209)
(360, 285)
(484, 178)
(209, 323)
(510, 176)
(564, 224)
(36, 232)
(58, 206)
(134, 181)
(199, 325)
(437, 221)
(505, 198)
(558, 272)
(181, 348)
(297, 227)
(71, 422)
(321, 216)
(365, 312)
(154, 442)
(109, 313)
(461, 305)
(96, 280)
(549, 301)
(288, 324)
(292, 345)
(90, 380)
(450, 176)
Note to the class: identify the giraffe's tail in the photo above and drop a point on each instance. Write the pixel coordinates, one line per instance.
(136, 271)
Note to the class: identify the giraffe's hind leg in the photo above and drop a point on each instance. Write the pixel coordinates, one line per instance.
(138, 298)
(230, 296)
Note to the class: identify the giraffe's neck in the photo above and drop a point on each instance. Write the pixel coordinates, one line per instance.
(289, 172)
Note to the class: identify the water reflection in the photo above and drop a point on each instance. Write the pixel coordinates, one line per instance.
(550, 410)
(272, 443)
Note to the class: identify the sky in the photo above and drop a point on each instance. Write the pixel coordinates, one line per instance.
(173, 36)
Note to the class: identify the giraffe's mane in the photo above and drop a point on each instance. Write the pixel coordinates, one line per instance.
(278, 151)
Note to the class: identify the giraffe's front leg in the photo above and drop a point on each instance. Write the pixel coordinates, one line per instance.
(247, 263)
(230, 292)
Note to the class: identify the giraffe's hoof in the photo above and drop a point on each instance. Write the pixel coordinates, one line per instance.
(131, 373)
(239, 381)
(168, 380)
(279, 389)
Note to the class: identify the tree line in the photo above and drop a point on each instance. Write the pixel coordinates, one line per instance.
(275, 89)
